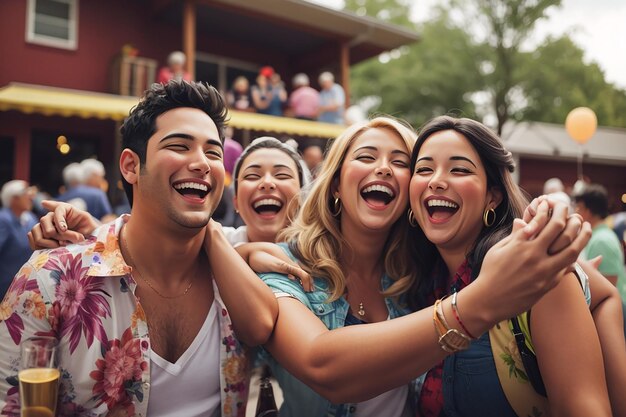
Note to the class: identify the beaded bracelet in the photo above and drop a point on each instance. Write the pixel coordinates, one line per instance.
(457, 316)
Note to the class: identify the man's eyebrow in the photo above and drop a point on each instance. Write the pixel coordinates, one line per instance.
(190, 137)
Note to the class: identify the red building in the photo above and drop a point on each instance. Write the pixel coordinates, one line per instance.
(68, 67)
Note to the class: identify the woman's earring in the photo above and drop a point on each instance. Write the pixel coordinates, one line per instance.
(489, 217)
(411, 217)
(337, 207)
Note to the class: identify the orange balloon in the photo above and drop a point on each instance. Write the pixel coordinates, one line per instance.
(581, 124)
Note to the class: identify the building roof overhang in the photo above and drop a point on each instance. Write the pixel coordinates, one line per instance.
(292, 27)
(551, 141)
(51, 101)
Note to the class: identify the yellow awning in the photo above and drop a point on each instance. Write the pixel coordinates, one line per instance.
(51, 101)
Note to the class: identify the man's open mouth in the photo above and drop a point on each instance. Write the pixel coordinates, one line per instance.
(192, 189)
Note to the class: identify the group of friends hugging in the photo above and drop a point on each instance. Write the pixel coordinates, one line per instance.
(412, 277)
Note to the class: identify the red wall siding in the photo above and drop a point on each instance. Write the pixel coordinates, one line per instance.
(534, 172)
(103, 27)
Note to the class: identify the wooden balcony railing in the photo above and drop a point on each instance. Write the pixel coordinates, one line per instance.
(132, 75)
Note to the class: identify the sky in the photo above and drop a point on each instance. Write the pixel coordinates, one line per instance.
(597, 26)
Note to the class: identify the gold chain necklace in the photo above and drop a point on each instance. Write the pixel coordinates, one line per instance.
(125, 243)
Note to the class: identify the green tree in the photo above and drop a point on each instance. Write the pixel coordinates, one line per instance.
(509, 24)
(431, 77)
(555, 79)
(450, 64)
(393, 11)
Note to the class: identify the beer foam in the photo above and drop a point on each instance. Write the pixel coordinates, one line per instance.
(38, 375)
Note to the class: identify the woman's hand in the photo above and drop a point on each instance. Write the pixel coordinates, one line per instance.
(520, 269)
(64, 224)
(574, 222)
(268, 257)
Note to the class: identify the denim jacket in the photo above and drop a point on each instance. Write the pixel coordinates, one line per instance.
(300, 400)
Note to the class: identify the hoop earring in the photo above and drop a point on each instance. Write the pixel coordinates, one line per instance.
(337, 207)
(411, 217)
(487, 217)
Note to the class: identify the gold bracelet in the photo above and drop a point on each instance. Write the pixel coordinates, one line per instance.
(450, 340)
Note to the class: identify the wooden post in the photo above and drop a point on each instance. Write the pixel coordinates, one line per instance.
(21, 153)
(189, 36)
(345, 70)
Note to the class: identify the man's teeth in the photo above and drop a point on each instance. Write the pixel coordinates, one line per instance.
(193, 185)
(268, 202)
(442, 203)
(378, 187)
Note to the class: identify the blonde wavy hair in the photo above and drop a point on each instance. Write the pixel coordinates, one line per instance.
(315, 237)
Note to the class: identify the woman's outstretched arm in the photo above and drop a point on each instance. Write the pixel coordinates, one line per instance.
(358, 362)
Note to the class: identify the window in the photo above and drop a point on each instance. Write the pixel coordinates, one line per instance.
(52, 23)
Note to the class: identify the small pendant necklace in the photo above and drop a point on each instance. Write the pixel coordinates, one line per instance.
(124, 242)
(361, 310)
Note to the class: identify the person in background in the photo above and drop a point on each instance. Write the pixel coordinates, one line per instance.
(269, 93)
(94, 174)
(232, 151)
(16, 220)
(94, 198)
(313, 156)
(175, 69)
(279, 94)
(304, 100)
(555, 189)
(332, 100)
(592, 203)
(239, 97)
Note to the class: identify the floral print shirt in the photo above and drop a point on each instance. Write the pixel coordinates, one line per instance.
(83, 295)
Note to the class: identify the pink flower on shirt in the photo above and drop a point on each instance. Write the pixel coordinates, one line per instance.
(80, 298)
(118, 375)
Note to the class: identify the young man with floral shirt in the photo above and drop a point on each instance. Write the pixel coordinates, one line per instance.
(141, 325)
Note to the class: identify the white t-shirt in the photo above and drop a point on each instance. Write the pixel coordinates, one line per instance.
(195, 376)
(389, 404)
(236, 236)
(392, 403)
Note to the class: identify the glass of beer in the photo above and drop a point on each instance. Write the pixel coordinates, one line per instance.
(39, 377)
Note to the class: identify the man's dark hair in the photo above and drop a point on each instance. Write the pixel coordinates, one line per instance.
(160, 98)
(595, 198)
